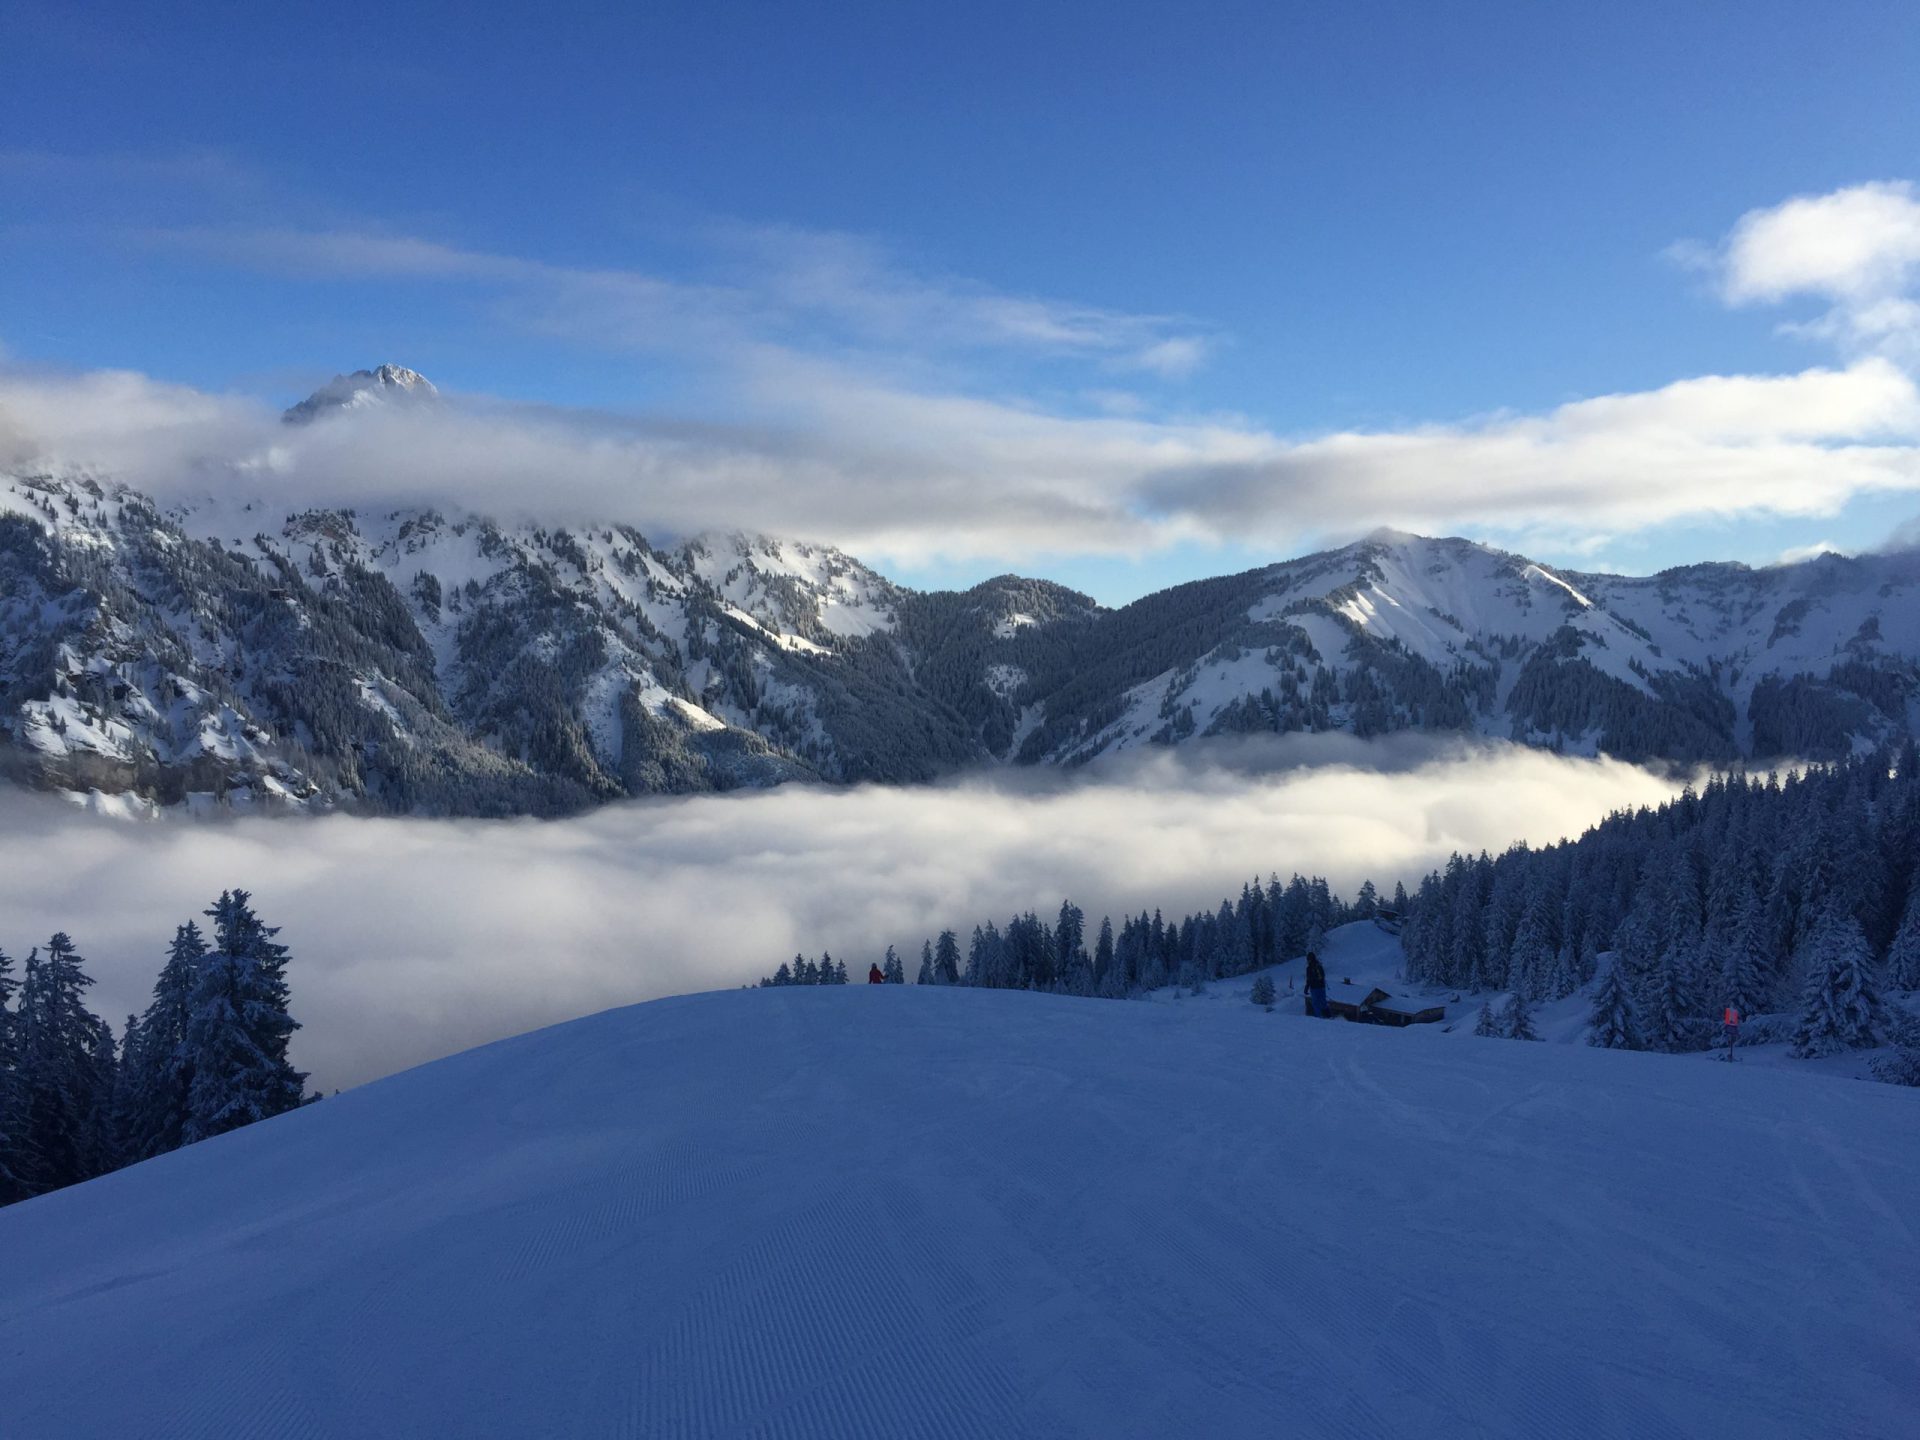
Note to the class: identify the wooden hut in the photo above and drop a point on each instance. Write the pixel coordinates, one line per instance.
(1374, 1006)
(1406, 1010)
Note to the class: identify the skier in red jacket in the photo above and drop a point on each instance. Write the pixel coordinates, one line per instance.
(874, 977)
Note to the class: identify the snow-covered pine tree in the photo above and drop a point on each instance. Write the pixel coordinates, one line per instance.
(1103, 958)
(157, 1059)
(1484, 1023)
(1262, 994)
(1903, 956)
(1669, 998)
(1366, 902)
(1564, 978)
(1840, 1008)
(1614, 1023)
(126, 1094)
(104, 1113)
(924, 976)
(1902, 1067)
(1516, 1019)
(57, 1070)
(894, 972)
(1069, 936)
(240, 1027)
(1530, 957)
(1746, 962)
(13, 1167)
(946, 959)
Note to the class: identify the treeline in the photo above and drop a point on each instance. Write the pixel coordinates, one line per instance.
(1267, 923)
(1794, 901)
(208, 1055)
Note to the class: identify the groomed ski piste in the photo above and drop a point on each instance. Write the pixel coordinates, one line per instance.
(917, 1212)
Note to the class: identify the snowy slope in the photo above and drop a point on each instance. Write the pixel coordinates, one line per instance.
(896, 1211)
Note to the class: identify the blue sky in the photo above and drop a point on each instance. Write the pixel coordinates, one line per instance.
(1077, 289)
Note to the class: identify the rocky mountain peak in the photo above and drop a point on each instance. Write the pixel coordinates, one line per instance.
(384, 385)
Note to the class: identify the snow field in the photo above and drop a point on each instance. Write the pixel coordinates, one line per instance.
(896, 1211)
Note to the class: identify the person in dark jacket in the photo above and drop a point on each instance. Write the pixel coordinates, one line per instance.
(874, 977)
(1316, 986)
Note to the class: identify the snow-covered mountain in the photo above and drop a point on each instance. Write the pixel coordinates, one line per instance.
(744, 1214)
(364, 389)
(450, 663)
(1711, 662)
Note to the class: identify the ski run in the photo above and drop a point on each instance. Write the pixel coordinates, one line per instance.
(904, 1211)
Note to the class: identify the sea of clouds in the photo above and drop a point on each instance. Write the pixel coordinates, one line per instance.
(416, 938)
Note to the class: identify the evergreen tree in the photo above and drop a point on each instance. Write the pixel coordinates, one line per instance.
(1366, 902)
(13, 1163)
(1669, 999)
(1902, 1067)
(1103, 957)
(1614, 1024)
(1531, 956)
(105, 1100)
(1069, 933)
(946, 959)
(892, 970)
(58, 1075)
(1516, 1019)
(924, 976)
(1903, 956)
(1564, 978)
(1840, 1007)
(239, 1027)
(1484, 1024)
(1746, 979)
(1263, 992)
(157, 1059)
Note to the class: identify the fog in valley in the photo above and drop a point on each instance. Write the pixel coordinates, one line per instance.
(415, 938)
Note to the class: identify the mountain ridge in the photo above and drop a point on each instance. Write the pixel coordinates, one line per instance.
(434, 661)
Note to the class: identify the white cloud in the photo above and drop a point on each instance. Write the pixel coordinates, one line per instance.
(1719, 446)
(415, 938)
(1860, 241)
(1857, 249)
(851, 417)
(822, 451)
(1796, 554)
(821, 291)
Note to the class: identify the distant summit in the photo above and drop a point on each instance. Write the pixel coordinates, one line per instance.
(387, 385)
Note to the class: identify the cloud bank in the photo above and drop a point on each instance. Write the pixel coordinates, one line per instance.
(413, 939)
(852, 410)
(831, 456)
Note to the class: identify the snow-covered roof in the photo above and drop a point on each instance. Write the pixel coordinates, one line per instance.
(1348, 993)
